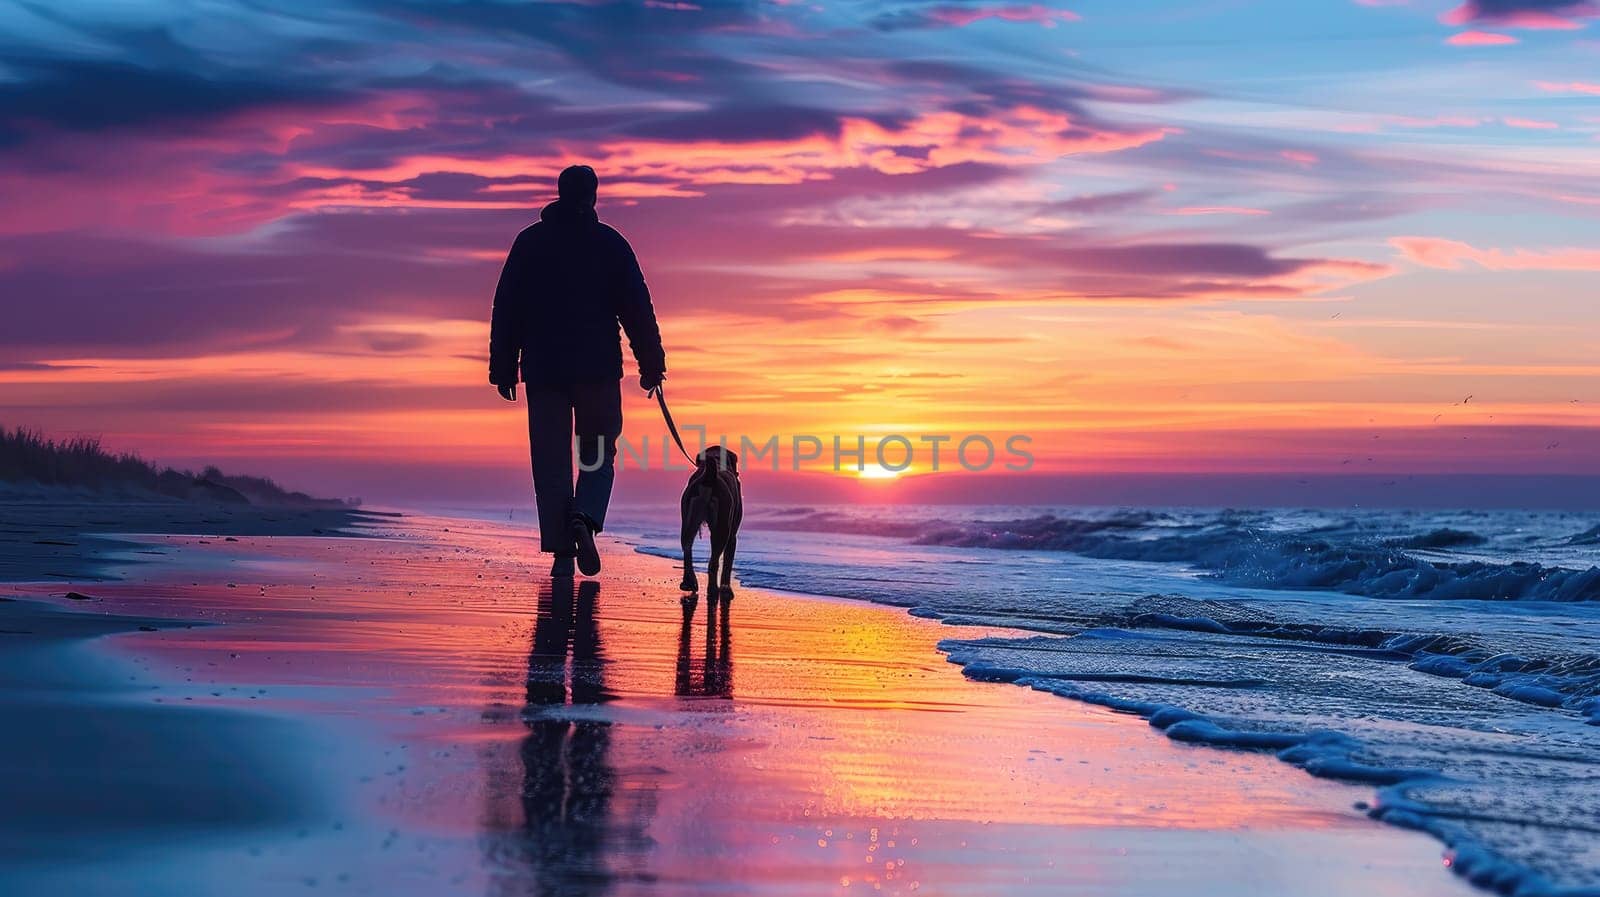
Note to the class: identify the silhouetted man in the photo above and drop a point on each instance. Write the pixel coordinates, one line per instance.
(568, 281)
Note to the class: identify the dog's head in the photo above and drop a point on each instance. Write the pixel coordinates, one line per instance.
(718, 457)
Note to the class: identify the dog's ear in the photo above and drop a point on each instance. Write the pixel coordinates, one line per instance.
(730, 460)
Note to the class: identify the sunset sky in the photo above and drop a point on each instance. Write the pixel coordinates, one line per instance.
(1199, 236)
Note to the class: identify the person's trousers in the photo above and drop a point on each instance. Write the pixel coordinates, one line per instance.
(557, 412)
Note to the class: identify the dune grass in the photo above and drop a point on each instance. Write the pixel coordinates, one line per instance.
(81, 462)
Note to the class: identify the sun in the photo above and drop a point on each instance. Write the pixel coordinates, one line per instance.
(875, 472)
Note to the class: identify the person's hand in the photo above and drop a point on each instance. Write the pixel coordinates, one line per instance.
(509, 393)
(650, 380)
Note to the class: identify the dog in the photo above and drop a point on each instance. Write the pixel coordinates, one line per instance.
(714, 500)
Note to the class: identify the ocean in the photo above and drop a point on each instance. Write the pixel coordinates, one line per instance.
(1449, 659)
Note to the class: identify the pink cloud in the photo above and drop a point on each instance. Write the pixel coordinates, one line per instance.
(186, 185)
(1300, 157)
(1588, 87)
(1216, 210)
(1018, 137)
(1480, 39)
(1033, 12)
(1453, 255)
(182, 185)
(1533, 124)
(1438, 121)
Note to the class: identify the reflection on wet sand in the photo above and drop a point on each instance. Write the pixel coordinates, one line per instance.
(620, 755)
(570, 842)
(712, 676)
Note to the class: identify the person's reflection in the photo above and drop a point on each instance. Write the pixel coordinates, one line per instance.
(568, 779)
(712, 676)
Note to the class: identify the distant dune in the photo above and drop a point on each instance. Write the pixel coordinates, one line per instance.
(33, 464)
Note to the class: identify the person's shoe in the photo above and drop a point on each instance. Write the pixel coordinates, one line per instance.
(583, 537)
(562, 567)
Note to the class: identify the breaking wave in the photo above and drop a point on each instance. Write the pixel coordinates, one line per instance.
(1247, 549)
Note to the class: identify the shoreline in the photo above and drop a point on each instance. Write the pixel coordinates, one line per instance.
(1415, 709)
(692, 757)
(56, 537)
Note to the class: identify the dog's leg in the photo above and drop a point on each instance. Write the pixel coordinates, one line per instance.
(690, 531)
(719, 547)
(727, 566)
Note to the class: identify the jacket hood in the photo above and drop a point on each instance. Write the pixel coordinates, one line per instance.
(564, 213)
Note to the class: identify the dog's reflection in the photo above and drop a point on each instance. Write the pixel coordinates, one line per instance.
(712, 676)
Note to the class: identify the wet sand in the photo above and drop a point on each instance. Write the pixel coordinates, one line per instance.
(428, 714)
(50, 537)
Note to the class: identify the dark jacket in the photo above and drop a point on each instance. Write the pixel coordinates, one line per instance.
(568, 281)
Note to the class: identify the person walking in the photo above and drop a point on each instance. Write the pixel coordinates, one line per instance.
(567, 284)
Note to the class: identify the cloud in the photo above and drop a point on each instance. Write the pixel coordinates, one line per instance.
(1229, 260)
(1018, 136)
(745, 123)
(316, 280)
(1072, 271)
(33, 366)
(1216, 210)
(95, 97)
(958, 15)
(1436, 121)
(1537, 14)
(1453, 255)
(1480, 39)
(298, 286)
(620, 41)
(1064, 93)
(1102, 203)
(395, 341)
(1585, 87)
(817, 148)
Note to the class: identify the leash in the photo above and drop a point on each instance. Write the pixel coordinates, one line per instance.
(661, 399)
